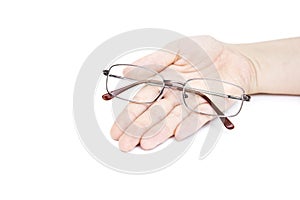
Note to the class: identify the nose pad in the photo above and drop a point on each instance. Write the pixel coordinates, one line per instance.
(185, 95)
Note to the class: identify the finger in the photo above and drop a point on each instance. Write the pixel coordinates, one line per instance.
(132, 111)
(174, 119)
(178, 116)
(163, 130)
(193, 122)
(152, 116)
(125, 118)
(158, 60)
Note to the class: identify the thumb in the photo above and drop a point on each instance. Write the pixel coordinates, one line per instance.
(157, 61)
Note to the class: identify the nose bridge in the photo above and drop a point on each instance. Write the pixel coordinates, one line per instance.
(174, 84)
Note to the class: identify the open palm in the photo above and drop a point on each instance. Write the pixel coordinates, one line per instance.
(151, 125)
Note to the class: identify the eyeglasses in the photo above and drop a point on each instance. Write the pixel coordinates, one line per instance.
(204, 96)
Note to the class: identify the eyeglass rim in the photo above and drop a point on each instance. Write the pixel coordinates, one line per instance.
(184, 84)
(218, 80)
(138, 66)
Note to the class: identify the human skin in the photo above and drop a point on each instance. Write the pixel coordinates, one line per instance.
(271, 67)
(277, 65)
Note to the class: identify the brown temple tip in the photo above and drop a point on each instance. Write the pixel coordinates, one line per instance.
(227, 123)
(107, 97)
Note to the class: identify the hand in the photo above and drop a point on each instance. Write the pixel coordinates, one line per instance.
(174, 119)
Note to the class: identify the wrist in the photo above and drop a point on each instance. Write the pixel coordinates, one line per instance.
(247, 52)
(275, 65)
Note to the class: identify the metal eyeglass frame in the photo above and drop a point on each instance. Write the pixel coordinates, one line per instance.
(181, 87)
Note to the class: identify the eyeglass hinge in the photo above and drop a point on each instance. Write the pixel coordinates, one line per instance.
(105, 72)
(246, 97)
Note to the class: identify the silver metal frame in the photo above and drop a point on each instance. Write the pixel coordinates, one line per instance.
(242, 98)
(182, 86)
(106, 73)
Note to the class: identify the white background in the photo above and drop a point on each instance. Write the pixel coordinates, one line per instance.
(42, 47)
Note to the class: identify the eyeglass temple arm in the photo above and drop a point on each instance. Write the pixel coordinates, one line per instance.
(111, 94)
(244, 97)
(108, 96)
(227, 123)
